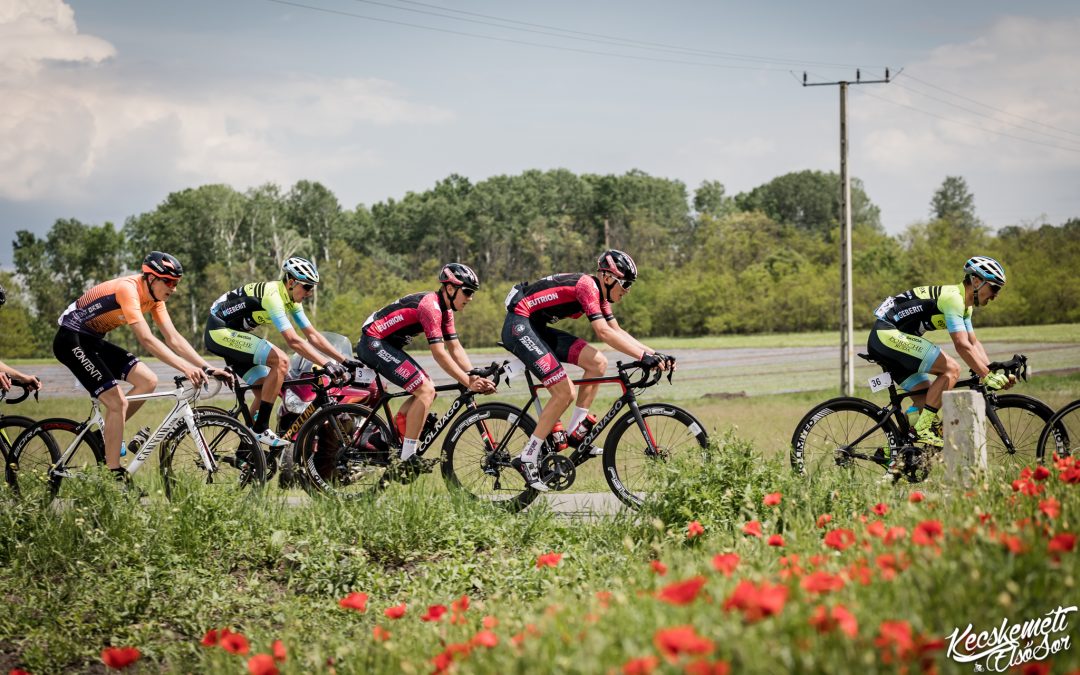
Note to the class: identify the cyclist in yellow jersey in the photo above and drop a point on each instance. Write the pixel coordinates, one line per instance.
(896, 340)
(235, 314)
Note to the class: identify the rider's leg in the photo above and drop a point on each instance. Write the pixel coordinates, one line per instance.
(416, 410)
(143, 381)
(948, 374)
(594, 364)
(278, 364)
(116, 406)
(561, 394)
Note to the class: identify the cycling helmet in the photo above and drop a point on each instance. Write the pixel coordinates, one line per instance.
(162, 266)
(458, 274)
(3, 296)
(986, 269)
(301, 269)
(618, 263)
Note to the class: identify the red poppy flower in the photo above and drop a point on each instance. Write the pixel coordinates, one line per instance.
(434, 613)
(823, 519)
(927, 533)
(756, 601)
(876, 529)
(442, 661)
(1013, 543)
(776, 540)
(826, 620)
(643, 665)
(894, 534)
(485, 638)
(888, 565)
(880, 509)
(234, 643)
(1070, 475)
(839, 538)
(725, 563)
(672, 642)
(210, 639)
(461, 604)
(821, 582)
(706, 668)
(916, 497)
(262, 664)
(395, 612)
(18, 671)
(354, 600)
(694, 529)
(753, 528)
(772, 499)
(681, 592)
(658, 567)
(1062, 543)
(278, 649)
(380, 634)
(548, 560)
(120, 657)
(894, 641)
(1051, 507)
(1041, 473)
(490, 622)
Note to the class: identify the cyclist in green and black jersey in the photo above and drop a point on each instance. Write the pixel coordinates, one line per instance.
(896, 340)
(243, 309)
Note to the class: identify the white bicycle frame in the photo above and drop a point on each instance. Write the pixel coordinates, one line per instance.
(181, 411)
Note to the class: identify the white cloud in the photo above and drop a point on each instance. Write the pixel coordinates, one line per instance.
(67, 133)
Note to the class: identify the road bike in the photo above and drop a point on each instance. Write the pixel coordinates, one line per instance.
(1061, 433)
(11, 427)
(197, 452)
(639, 446)
(863, 437)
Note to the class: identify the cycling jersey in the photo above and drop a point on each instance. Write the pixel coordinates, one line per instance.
(927, 308)
(112, 304)
(399, 321)
(257, 304)
(559, 296)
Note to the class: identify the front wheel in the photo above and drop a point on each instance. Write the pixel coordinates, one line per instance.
(11, 427)
(239, 461)
(477, 453)
(1015, 443)
(41, 447)
(846, 432)
(1060, 435)
(632, 470)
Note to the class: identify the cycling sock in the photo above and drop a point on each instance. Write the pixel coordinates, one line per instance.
(532, 450)
(262, 417)
(930, 408)
(408, 448)
(575, 419)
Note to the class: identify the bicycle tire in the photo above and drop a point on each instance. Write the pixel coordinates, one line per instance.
(673, 430)
(341, 455)
(824, 437)
(1024, 418)
(11, 427)
(41, 446)
(1064, 427)
(467, 465)
(240, 460)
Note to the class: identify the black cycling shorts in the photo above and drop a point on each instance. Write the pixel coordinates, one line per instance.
(908, 358)
(390, 361)
(97, 364)
(540, 347)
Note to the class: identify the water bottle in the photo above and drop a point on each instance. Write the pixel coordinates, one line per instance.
(557, 439)
(293, 403)
(583, 429)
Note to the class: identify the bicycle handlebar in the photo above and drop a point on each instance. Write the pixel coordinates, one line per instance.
(1017, 366)
(649, 377)
(19, 399)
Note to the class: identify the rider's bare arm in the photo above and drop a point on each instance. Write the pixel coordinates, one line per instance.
(323, 345)
(166, 355)
(971, 351)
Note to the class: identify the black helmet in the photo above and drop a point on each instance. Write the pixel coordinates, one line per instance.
(459, 275)
(617, 263)
(163, 266)
(3, 296)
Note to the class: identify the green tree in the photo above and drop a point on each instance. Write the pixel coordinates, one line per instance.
(810, 200)
(954, 202)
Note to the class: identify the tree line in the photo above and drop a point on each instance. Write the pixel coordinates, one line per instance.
(766, 260)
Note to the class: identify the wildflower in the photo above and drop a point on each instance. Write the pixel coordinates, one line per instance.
(658, 567)
(395, 612)
(354, 600)
(235, 643)
(643, 665)
(120, 657)
(278, 649)
(694, 529)
(776, 540)
(210, 639)
(757, 601)
(839, 539)
(927, 533)
(1041, 473)
(681, 592)
(490, 622)
(706, 668)
(379, 634)
(753, 528)
(772, 499)
(821, 582)
(725, 563)
(1051, 507)
(681, 640)
(823, 520)
(880, 509)
(485, 638)
(916, 497)
(826, 620)
(876, 529)
(1062, 543)
(262, 664)
(434, 613)
(548, 560)
(894, 534)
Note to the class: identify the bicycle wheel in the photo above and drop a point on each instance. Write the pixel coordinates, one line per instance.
(1061, 434)
(341, 454)
(631, 473)
(11, 427)
(41, 446)
(240, 460)
(841, 432)
(1022, 421)
(477, 453)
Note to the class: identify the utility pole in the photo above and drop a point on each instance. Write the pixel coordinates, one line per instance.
(847, 346)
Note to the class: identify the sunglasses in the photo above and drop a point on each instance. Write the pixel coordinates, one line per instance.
(308, 287)
(171, 283)
(626, 284)
(994, 288)
(468, 292)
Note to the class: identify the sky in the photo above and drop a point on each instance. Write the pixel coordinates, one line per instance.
(110, 105)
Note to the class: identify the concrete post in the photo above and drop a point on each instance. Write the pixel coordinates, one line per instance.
(963, 415)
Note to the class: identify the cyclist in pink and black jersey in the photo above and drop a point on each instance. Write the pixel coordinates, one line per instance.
(543, 349)
(387, 332)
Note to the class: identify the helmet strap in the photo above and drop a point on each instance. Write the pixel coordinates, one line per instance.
(450, 299)
(150, 286)
(608, 288)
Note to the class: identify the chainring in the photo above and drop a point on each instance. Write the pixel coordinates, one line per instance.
(557, 471)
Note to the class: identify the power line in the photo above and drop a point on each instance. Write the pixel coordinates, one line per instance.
(968, 124)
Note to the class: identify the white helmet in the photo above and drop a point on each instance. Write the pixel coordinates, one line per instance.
(301, 269)
(986, 269)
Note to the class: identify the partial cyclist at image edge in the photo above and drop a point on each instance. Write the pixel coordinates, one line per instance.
(897, 341)
(99, 365)
(532, 307)
(8, 373)
(237, 313)
(387, 331)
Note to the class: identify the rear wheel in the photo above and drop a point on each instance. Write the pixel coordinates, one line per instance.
(342, 452)
(1061, 434)
(239, 460)
(41, 446)
(476, 455)
(844, 432)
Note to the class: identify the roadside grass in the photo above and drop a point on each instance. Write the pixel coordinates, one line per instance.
(102, 570)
